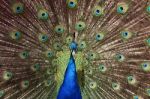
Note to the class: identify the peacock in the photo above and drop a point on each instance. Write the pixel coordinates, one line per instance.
(74, 49)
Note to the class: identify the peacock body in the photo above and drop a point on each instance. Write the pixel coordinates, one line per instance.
(109, 58)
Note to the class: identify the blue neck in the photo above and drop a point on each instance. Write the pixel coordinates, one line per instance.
(70, 88)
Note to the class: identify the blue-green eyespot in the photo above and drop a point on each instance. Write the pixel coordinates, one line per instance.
(2, 92)
(18, 8)
(15, 35)
(72, 3)
(7, 75)
(43, 38)
(116, 86)
(35, 67)
(43, 14)
(148, 91)
(24, 55)
(102, 68)
(93, 85)
(131, 80)
(91, 56)
(119, 57)
(125, 35)
(145, 66)
(79, 26)
(48, 82)
(148, 9)
(97, 11)
(122, 7)
(57, 46)
(147, 41)
(59, 29)
(25, 84)
(69, 39)
(99, 36)
(82, 45)
(49, 53)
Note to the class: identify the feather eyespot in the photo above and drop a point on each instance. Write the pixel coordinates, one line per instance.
(116, 86)
(59, 29)
(69, 40)
(79, 26)
(93, 85)
(120, 57)
(43, 38)
(122, 7)
(102, 68)
(57, 46)
(35, 67)
(97, 11)
(131, 80)
(24, 55)
(126, 35)
(25, 84)
(82, 45)
(147, 41)
(18, 8)
(43, 14)
(16, 35)
(145, 66)
(2, 93)
(47, 82)
(7, 75)
(49, 54)
(99, 36)
(72, 3)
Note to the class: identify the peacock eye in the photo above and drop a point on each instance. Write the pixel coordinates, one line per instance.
(25, 84)
(59, 29)
(146, 66)
(69, 39)
(126, 35)
(89, 71)
(57, 46)
(79, 26)
(7, 75)
(131, 80)
(49, 71)
(148, 9)
(24, 55)
(18, 8)
(135, 97)
(82, 45)
(2, 93)
(16, 35)
(49, 54)
(85, 62)
(43, 14)
(47, 82)
(99, 36)
(35, 67)
(116, 86)
(148, 91)
(122, 8)
(54, 62)
(43, 38)
(148, 41)
(93, 85)
(91, 56)
(102, 68)
(119, 57)
(97, 11)
(72, 3)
